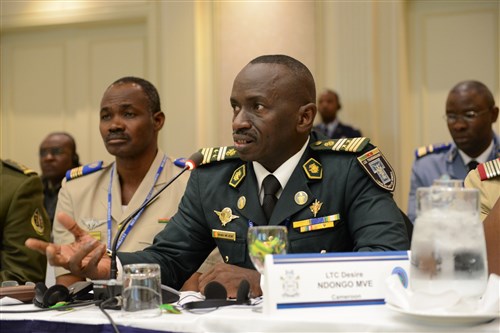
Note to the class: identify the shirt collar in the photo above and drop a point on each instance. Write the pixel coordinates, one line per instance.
(283, 173)
(480, 159)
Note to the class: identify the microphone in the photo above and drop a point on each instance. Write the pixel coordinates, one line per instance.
(193, 162)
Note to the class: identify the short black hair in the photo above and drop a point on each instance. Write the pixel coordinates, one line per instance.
(148, 88)
(479, 87)
(296, 67)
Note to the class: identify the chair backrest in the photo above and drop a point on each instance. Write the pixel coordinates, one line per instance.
(408, 224)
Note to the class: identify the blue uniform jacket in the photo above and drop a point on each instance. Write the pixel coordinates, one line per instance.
(441, 161)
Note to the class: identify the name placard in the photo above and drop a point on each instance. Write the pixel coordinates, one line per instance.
(330, 279)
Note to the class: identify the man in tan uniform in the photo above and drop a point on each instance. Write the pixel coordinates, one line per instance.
(486, 178)
(21, 216)
(101, 197)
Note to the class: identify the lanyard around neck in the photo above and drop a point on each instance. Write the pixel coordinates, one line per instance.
(136, 217)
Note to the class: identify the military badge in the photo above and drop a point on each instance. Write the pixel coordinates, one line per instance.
(238, 175)
(241, 202)
(37, 222)
(313, 169)
(315, 207)
(92, 223)
(300, 198)
(95, 234)
(226, 216)
(379, 169)
(222, 234)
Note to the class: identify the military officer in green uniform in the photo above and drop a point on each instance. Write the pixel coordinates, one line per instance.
(22, 216)
(332, 195)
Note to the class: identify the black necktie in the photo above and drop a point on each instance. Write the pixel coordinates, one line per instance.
(271, 186)
(472, 165)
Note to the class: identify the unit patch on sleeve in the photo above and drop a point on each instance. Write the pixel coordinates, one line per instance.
(379, 169)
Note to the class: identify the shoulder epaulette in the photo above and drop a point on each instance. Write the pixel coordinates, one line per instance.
(216, 154)
(353, 145)
(83, 170)
(20, 167)
(435, 148)
(490, 169)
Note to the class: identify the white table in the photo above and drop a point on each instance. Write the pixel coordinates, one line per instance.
(369, 318)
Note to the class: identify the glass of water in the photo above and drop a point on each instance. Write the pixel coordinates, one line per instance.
(448, 250)
(141, 290)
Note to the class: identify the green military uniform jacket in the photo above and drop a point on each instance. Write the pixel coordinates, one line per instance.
(365, 216)
(22, 216)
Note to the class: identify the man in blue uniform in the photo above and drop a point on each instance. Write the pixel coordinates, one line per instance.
(333, 195)
(470, 113)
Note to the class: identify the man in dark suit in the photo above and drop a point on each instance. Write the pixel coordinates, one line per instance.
(332, 195)
(328, 107)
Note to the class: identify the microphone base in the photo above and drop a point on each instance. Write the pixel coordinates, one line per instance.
(105, 290)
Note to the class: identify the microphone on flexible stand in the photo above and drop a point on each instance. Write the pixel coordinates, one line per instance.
(110, 288)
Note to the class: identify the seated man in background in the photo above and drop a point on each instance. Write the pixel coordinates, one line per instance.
(470, 113)
(57, 155)
(486, 178)
(101, 197)
(328, 107)
(314, 181)
(22, 216)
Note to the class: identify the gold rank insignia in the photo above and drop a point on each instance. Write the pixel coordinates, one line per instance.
(242, 202)
(301, 198)
(19, 167)
(238, 175)
(435, 148)
(313, 169)
(379, 169)
(315, 207)
(83, 170)
(216, 154)
(37, 222)
(226, 216)
(345, 144)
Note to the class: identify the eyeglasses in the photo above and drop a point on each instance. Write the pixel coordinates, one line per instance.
(468, 116)
(52, 151)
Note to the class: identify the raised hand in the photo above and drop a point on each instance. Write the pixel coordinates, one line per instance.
(85, 257)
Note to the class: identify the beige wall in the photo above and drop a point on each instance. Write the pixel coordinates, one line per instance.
(392, 63)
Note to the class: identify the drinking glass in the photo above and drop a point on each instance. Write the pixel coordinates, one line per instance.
(264, 240)
(142, 290)
(448, 249)
(448, 182)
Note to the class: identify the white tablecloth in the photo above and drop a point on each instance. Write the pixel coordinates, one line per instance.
(369, 318)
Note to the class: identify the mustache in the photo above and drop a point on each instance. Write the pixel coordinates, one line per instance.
(116, 135)
(244, 132)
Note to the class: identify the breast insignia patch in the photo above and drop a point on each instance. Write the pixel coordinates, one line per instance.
(37, 222)
(379, 169)
(238, 175)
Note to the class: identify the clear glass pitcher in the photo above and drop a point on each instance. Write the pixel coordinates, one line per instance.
(448, 250)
